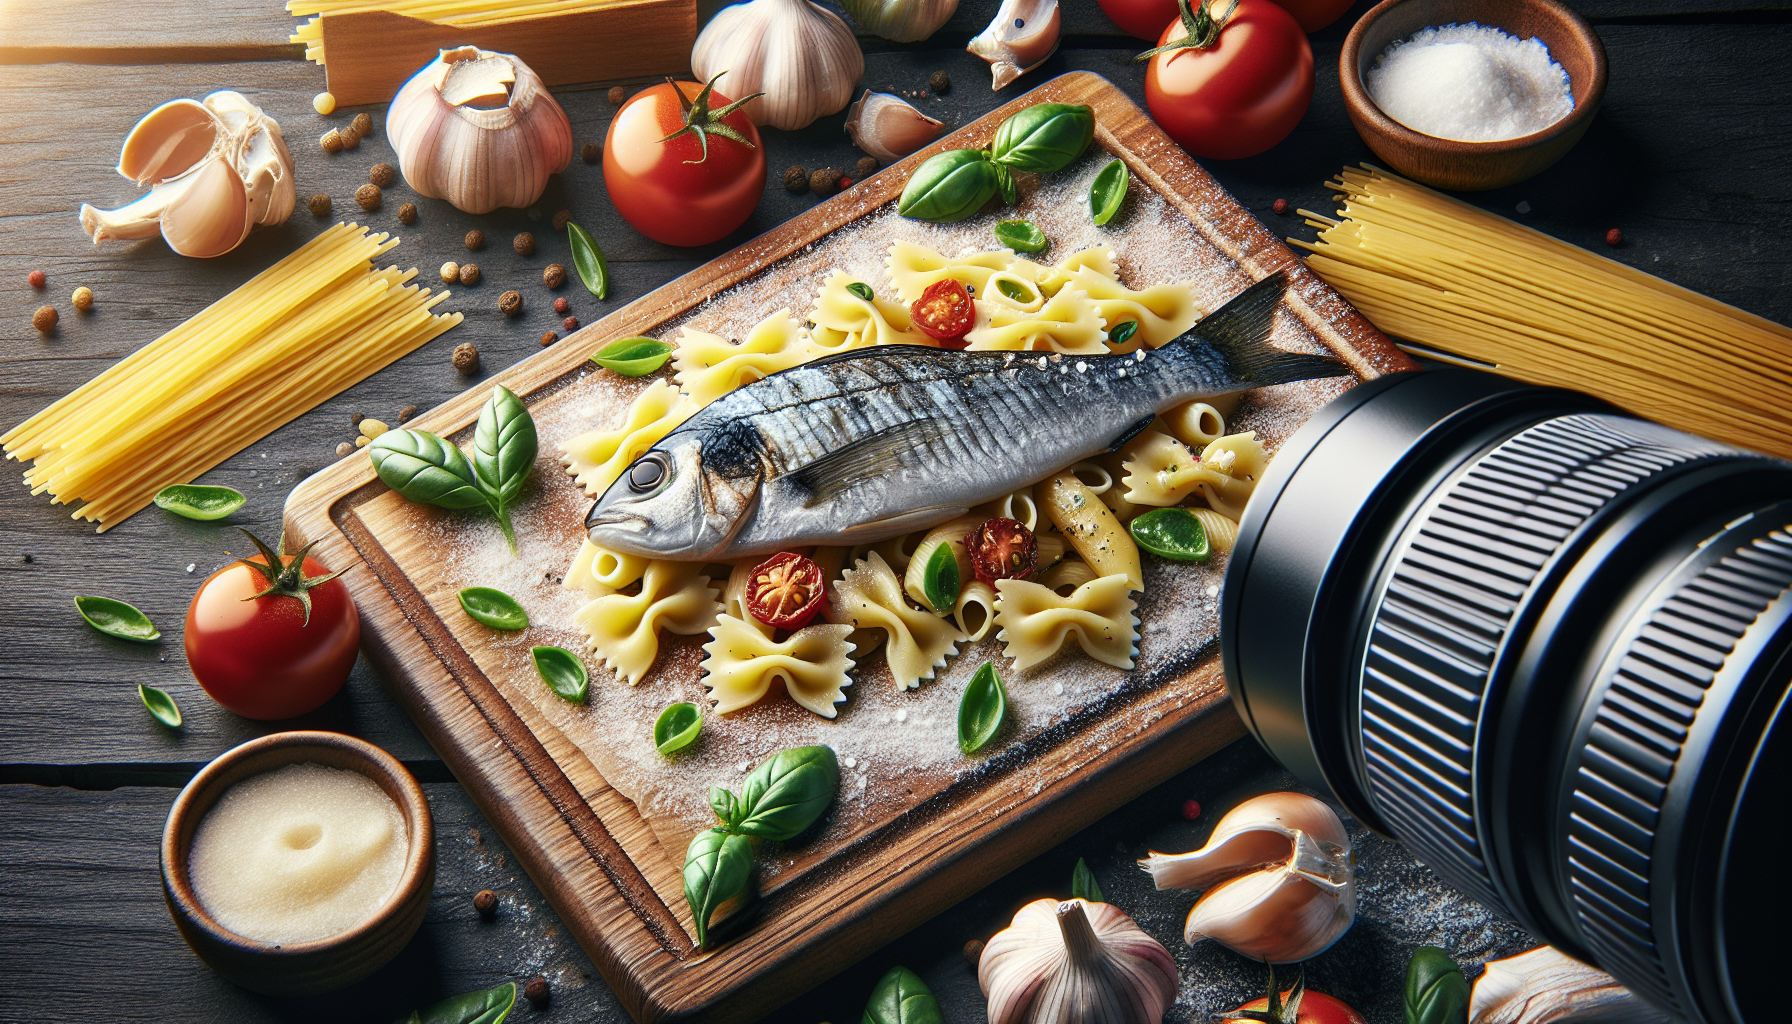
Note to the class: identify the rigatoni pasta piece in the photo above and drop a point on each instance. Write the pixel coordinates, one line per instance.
(1196, 424)
(623, 630)
(1222, 533)
(975, 612)
(599, 571)
(814, 663)
(598, 457)
(869, 596)
(1036, 621)
(1091, 528)
(709, 366)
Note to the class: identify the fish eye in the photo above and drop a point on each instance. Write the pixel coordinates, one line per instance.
(647, 473)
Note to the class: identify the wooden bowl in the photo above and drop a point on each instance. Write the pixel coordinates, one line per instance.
(1473, 166)
(307, 967)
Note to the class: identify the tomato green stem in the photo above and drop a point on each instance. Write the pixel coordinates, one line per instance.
(702, 122)
(1202, 28)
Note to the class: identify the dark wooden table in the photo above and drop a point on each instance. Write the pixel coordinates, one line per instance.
(1691, 157)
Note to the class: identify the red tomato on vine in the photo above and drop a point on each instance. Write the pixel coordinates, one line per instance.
(681, 172)
(1229, 78)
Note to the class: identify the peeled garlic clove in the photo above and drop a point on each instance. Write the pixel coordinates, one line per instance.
(1258, 833)
(1544, 986)
(801, 57)
(478, 158)
(210, 216)
(1280, 915)
(1075, 961)
(889, 127)
(901, 21)
(1023, 34)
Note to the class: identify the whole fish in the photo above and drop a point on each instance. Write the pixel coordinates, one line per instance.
(875, 442)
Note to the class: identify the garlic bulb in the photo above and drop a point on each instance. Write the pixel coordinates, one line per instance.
(901, 21)
(1279, 879)
(802, 57)
(1544, 986)
(1075, 961)
(889, 127)
(216, 168)
(1023, 34)
(478, 129)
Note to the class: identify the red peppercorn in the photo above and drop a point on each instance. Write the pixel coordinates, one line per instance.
(1614, 237)
(561, 305)
(1191, 809)
(571, 323)
(845, 183)
(36, 278)
(1280, 206)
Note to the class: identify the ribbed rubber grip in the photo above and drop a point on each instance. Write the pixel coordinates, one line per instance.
(1462, 569)
(1639, 730)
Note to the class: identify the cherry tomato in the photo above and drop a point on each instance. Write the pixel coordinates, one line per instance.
(1143, 18)
(944, 311)
(1241, 95)
(1315, 1008)
(1314, 15)
(1002, 549)
(258, 652)
(670, 191)
(785, 591)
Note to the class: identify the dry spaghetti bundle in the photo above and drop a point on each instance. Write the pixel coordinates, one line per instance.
(447, 12)
(304, 329)
(1453, 279)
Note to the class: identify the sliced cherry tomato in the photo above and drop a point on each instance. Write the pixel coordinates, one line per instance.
(1002, 549)
(785, 591)
(1243, 92)
(945, 311)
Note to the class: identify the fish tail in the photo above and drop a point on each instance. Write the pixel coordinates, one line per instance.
(1239, 332)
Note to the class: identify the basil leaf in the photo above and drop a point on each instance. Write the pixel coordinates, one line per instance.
(200, 501)
(949, 187)
(1108, 192)
(1021, 236)
(504, 449)
(424, 468)
(487, 1006)
(941, 580)
(1044, 138)
(1083, 885)
(862, 290)
(1005, 186)
(981, 709)
(589, 260)
(160, 705)
(1123, 332)
(726, 805)
(787, 793)
(489, 606)
(901, 997)
(677, 727)
(1014, 290)
(1172, 533)
(717, 868)
(564, 673)
(1437, 992)
(633, 357)
(115, 618)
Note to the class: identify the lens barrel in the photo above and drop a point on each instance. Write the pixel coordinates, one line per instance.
(1545, 645)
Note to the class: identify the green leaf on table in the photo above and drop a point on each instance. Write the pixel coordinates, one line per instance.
(941, 580)
(1437, 992)
(677, 727)
(1044, 137)
(487, 1006)
(492, 607)
(981, 709)
(160, 705)
(1172, 533)
(1021, 236)
(504, 447)
(424, 468)
(1083, 885)
(901, 997)
(203, 502)
(115, 618)
(633, 357)
(788, 792)
(564, 673)
(1108, 192)
(717, 869)
(589, 260)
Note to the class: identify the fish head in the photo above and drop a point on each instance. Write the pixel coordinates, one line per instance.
(670, 503)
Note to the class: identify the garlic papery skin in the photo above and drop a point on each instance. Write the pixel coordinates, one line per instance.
(889, 127)
(1279, 876)
(803, 58)
(1544, 986)
(478, 158)
(1075, 961)
(901, 21)
(217, 168)
(1022, 35)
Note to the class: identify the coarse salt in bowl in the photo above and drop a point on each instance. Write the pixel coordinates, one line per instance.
(1472, 83)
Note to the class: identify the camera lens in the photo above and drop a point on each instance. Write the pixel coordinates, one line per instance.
(1547, 646)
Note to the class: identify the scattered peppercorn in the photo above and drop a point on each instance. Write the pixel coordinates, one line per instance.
(36, 277)
(973, 948)
(382, 175)
(1280, 206)
(345, 448)
(617, 95)
(485, 901)
(1614, 237)
(510, 303)
(319, 205)
(589, 152)
(1191, 809)
(553, 275)
(450, 272)
(845, 183)
(561, 218)
(371, 428)
(407, 214)
(823, 181)
(548, 338)
(350, 138)
(324, 103)
(865, 168)
(44, 319)
(537, 992)
(332, 141)
(362, 124)
(369, 197)
(406, 413)
(939, 82)
(475, 240)
(469, 274)
(571, 324)
(466, 360)
(524, 244)
(83, 298)
(356, 418)
(561, 305)
(796, 179)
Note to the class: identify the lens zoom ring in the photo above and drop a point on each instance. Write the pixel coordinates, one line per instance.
(1452, 595)
(1640, 726)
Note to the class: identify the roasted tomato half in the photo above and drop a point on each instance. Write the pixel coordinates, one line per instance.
(785, 591)
(945, 312)
(1002, 549)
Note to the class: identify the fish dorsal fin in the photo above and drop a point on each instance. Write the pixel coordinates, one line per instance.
(870, 456)
(879, 351)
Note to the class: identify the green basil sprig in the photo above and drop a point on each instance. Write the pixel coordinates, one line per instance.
(492, 607)
(950, 186)
(1107, 193)
(1437, 991)
(487, 1006)
(588, 259)
(115, 618)
(203, 502)
(941, 580)
(425, 468)
(1044, 138)
(1083, 885)
(633, 357)
(1172, 533)
(564, 673)
(1122, 332)
(901, 997)
(981, 709)
(504, 446)
(718, 869)
(160, 705)
(677, 727)
(1021, 236)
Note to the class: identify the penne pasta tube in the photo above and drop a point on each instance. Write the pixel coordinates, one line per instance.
(1091, 528)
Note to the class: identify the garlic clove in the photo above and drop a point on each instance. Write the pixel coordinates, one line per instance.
(1075, 961)
(210, 216)
(168, 141)
(901, 21)
(266, 169)
(1020, 38)
(481, 82)
(1543, 986)
(141, 218)
(1257, 833)
(1277, 915)
(800, 56)
(889, 127)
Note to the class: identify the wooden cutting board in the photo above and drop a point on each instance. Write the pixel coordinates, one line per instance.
(611, 866)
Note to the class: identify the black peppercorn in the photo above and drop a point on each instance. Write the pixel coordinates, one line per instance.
(406, 413)
(362, 124)
(548, 338)
(369, 197)
(796, 179)
(485, 901)
(510, 303)
(469, 274)
(865, 168)
(382, 175)
(973, 949)
(561, 218)
(524, 244)
(475, 240)
(407, 214)
(466, 360)
(537, 992)
(617, 95)
(319, 205)
(553, 275)
(939, 82)
(824, 181)
(589, 152)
